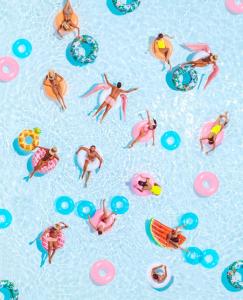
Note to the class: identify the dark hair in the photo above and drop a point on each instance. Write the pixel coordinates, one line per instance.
(93, 146)
(160, 35)
(99, 232)
(155, 276)
(119, 84)
(142, 183)
(211, 140)
(155, 124)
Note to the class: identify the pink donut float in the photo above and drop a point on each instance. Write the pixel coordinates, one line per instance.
(45, 239)
(107, 268)
(134, 183)
(96, 220)
(206, 131)
(39, 154)
(233, 7)
(136, 130)
(212, 184)
(11, 65)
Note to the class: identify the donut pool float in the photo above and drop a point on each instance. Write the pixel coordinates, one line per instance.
(233, 275)
(49, 92)
(189, 221)
(5, 218)
(97, 220)
(85, 209)
(29, 134)
(136, 131)
(60, 240)
(119, 205)
(206, 178)
(59, 20)
(102, 272)
(22, 48)
(170, 145)
(51, 164)
(154, 283)
(126, 8)
(206, 129)
(233, 7)
(134, 184)
(9, 68)
(64, 205)
(185, 79)
(9, 285)
(193, 255)
(210, 258)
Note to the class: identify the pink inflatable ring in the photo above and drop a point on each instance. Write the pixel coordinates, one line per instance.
(206, 131)
(60, 240)
(39, 154)
(134, 183)
(102, 266)
(9, 68)
(97, 220)
(233, 7)
(136, 131)
(212, 184)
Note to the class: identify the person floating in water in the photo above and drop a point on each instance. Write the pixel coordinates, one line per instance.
(173, 237)
(160, 41)
(107, 218)
(150, 126)
(92, 155)
(146, 185)
(211, 59)
(54, 80)
(155, 273)
(50, 155)
(110, 101)
(67, 23)
(53, 232)
(218, 126)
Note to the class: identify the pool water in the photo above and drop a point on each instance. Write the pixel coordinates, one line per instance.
(124, 55)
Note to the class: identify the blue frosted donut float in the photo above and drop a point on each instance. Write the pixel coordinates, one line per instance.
(79, 44)
(231, 274)
(179, 76)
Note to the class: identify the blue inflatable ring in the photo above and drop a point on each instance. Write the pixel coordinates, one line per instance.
(7, 218)
(176, 140)
(189, 221)
(64, 205)
(85, 209)
(193, 256)
(22, 43)
(213, 261)
(119, 205)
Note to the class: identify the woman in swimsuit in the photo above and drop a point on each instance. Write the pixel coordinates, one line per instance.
(53, 232)
(211, 59)
(53, 80)
(110, 101)
(92, 154)
(146, 185)
(155, 274)
(49, 155)
(173, 237)
(150, 126)
(218, 126)
(162, 47)
(67, 23)
(106, 218)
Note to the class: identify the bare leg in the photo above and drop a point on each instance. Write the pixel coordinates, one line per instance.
(86, 163)
(62, 99)
(135, 141)
(59, 31)
(108, 107)
(50, 247)
(53, 252)
(103, 105)
(74, 26)
(67, 10)
(87, 178)
(59, 99)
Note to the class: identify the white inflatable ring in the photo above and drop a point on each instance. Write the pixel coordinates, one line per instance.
(155, 284)
(92, 166)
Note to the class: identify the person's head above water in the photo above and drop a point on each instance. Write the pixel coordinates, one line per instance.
(153, 126)
(100, 229)
(92, 148)
(51, 75)
(119, 84)
(53, 150)
(160, 35)
(211, 140)
(155, 276)
(214, 57)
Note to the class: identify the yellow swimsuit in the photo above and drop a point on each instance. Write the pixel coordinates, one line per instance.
(156, 190)
(161, 44)
(216, 129)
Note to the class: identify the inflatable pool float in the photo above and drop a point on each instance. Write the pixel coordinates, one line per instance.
(159, 55)
(6, 220)
(206, 130)
(59, 20)
(29, 133)
(193, 255)
(119, 205)
(234, 280)
(189, 221)
(176, 140)
(210, 258)
(126, 8)
(64, 205)
(179, 75)
(49, 92)
(86, 209)
(51, 164)
(105, 266)
(11, 65)
(233, 7)
(98, 217)
(212, 184)
(22, 48)
(136, 131)
(134, 184)
(92, 166)
(160, 232)
(154, 283)
(9, 285)
(60, 240)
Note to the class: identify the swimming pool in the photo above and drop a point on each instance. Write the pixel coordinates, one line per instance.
(123, 55)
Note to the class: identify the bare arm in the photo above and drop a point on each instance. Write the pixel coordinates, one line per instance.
(42, 148)
(59, 76)
(129, 91)
(107, 81)
(63, 225)
(45, 82)
(170, 37)
(82, 148)
(153, 138)
(55, 156)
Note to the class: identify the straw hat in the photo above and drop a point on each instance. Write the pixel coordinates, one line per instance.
(53, 151)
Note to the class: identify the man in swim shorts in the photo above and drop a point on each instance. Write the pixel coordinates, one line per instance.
(49, 155)
(92, 154)
(218, 126)
(110, 101)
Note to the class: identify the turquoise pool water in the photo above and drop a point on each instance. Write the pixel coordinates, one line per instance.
(123, 54)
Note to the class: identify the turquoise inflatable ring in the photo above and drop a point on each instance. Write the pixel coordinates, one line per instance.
(64, 205)
(189, 221)
(7, 218)
(233, 280)
(126, 8)
(85, 209)
(193, 256)
(22, 48)
(170, 135)
(119, 205)
(14, 293)
(179, 75)
(213, 261)
(77, 48)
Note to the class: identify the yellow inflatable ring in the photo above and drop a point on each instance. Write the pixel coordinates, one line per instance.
(34, 134)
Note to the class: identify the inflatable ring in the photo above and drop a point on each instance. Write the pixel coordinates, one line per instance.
(212, 181)
(93, 165)
(9, 285)
(193, 256)
(33, 135)
(5, 218)
(64, 205)
(51, 164)
(134, 183)
(179, 75)
(136, 131)
(213, 261)
(189, 221)
(85, 209)
(22, 48)
(49, 92)
(97, 219)
(60, 240)
(206, 131)
(9, 68)
(159, 55)
(233, 7)
(59, 20)
(126, 8)
(119, 205)
(77, 49)
(234, 280)
(170, 135)
(105, 266)
(155, 284)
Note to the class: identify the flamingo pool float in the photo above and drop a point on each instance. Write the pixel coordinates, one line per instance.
(233, 7)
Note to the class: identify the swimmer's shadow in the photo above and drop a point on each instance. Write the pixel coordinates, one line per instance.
(44, 253)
